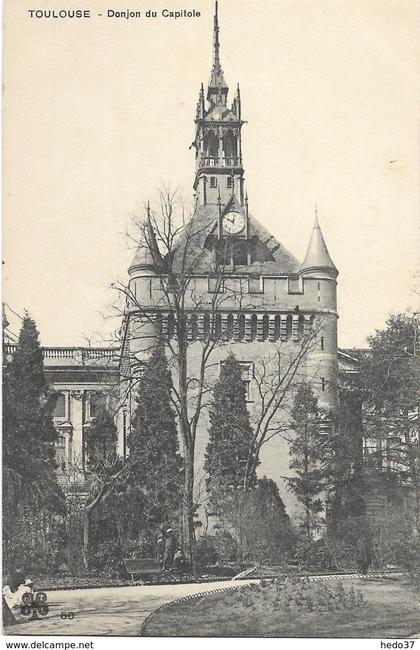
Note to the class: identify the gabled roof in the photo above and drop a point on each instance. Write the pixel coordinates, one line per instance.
(217, 113)
(272, 257)
(234, 205)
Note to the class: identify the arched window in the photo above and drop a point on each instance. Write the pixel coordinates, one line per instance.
(60, 406)
(211, 148)
(230, 149)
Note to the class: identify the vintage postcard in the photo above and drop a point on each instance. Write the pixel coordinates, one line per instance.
(210, 320)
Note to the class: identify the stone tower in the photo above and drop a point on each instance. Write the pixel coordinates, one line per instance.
(280, 298)
(218, 137)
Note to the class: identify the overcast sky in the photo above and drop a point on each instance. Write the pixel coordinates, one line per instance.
(99, 112)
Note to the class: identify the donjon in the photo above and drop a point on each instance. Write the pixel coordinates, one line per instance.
(246, 292)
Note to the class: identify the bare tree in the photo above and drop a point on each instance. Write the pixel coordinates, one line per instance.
(179, 249)
(276, 378)
(189, 312)
(88, 486)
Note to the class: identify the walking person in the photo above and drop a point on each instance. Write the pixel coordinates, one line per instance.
(168, 557)
(160, 550)
(363, 554)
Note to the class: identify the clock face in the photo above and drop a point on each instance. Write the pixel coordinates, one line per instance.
(233, 223)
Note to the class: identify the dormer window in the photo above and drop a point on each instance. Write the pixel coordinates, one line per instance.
(240, 253)
(232, 253)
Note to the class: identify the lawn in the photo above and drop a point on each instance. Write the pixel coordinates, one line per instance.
(360, 608)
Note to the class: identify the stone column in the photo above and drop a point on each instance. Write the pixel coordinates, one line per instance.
(76, 414)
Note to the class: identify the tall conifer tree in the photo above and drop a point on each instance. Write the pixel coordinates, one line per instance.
(30, 489)
(308, 454)
(28, 430)
(156, 471)
(102, 439)
(230, 434)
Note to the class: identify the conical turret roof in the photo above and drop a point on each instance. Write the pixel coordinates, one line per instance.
(317, 255)
(147, 255)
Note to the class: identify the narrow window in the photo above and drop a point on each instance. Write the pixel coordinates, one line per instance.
(229, 181)
(213, 181)
(322, 342)
(322, 383)
(97, 402)
(60, 452)
(60, 406)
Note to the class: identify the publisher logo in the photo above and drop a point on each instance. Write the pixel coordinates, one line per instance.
(34, 606)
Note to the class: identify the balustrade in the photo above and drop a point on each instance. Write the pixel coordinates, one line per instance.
(215, 161)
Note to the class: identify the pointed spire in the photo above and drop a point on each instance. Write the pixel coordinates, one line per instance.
(217, 83)
(317, 255)
(147, 255)
(316, 222)
(238, 101)
(202, 102)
